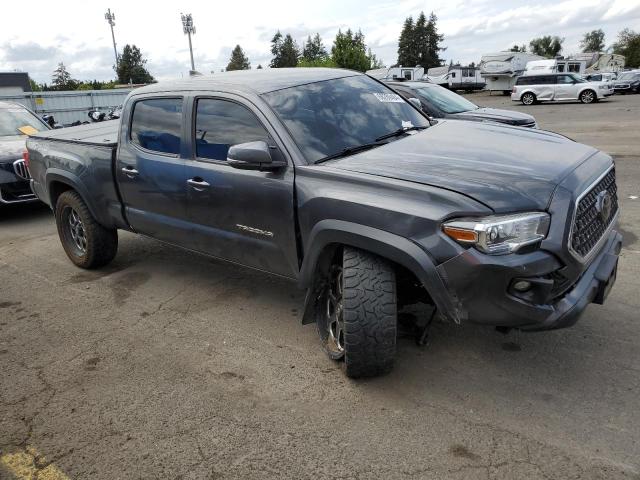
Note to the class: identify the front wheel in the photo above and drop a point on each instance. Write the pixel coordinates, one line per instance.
(356, 318)
(588, 96)
(528, 98)
(87, 243)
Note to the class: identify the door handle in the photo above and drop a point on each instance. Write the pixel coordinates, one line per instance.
(130, 172)
(198, 184)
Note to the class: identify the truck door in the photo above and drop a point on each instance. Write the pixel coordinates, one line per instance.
(244, 216)
(150, 171)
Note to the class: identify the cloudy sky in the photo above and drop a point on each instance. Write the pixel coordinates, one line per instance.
(35, 39)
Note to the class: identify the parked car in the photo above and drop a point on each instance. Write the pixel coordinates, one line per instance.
(603, 78)
(553, 87)
(628, 82)
(330, 179)
(439, 102)
(16, 123)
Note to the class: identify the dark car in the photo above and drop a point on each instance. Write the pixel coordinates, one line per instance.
(16, 123)
(627, 82)
(439, 102)
(332, 180)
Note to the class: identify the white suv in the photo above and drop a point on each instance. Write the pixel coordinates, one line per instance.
(552, 87)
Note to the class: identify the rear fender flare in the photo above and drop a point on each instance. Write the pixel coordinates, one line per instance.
(387, 245)
(67, 178)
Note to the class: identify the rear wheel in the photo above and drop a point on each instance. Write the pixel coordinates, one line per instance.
(357, 319)
(588, 96)
(87, 243)
(528, 98)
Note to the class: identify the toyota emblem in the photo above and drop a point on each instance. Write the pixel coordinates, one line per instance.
(604, 205)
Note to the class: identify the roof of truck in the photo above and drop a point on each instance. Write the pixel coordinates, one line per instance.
(253, 81)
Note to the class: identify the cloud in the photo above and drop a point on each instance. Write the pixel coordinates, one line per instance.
(26, 52)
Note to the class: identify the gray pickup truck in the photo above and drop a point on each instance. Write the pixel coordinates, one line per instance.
(329, 178)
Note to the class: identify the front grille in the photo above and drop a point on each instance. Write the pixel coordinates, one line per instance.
(21, 169)
(595, 211)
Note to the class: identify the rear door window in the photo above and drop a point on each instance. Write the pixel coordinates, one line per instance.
(223, 123)
(156, 124)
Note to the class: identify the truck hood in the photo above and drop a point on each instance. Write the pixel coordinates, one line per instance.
(496, 115)
(11, 148)
(506, 168)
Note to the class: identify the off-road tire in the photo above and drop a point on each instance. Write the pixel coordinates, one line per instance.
(101, 242)
(370, 316)
(528, 98)
(588, 96)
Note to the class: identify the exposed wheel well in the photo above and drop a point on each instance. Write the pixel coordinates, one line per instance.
(410, 289)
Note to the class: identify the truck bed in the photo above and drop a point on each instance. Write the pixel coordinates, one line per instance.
(103, 134)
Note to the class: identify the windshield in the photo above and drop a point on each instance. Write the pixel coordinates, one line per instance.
(445, 100)
(628, 76)
(18, 121)
(327, 117)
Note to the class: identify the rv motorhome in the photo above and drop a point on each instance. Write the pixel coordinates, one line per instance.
(397, 73)
(500, 70)
(456, 77)
(601, 62)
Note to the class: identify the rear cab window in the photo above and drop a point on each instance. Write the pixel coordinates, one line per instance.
(156, 125)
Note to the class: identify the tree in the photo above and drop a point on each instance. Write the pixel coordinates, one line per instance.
(419, 43)
(546, 46)
(407, 54)
(259, 67)
(61, 78)
(313, 49)
(35, 86)
(285, 51)
(628, 44)
(431, 55)
(516, 48)
(131, 66)
(350, 51)
(238, 60)
(593, 41)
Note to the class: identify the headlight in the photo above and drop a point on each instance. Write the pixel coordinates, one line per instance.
(499, 234)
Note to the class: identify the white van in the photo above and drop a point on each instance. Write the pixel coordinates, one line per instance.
(553, 87)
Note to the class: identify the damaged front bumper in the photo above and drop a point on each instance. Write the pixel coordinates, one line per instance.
(484, 287)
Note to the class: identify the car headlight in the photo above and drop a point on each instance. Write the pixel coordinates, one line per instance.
(603, 87)
(499, 234)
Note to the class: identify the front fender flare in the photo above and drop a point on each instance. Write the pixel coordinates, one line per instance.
(385, 244)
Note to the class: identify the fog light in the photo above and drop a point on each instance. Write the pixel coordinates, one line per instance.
(522, 286)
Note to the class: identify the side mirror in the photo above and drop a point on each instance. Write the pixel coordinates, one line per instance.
(416, 103)
(252, 156)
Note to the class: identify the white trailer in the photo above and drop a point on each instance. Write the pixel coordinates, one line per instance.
(456, 77)
(601, 62)
(500, 70)
(560, 65)
(396, 73)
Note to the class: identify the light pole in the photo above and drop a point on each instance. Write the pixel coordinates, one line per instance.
(188, 28)
(111, 19)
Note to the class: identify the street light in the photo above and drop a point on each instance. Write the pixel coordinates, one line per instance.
(111, 19)
(188, 28)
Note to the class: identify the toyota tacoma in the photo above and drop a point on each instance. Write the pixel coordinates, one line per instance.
(329, 178)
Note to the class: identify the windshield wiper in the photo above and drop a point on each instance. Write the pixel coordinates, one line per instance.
(400, 131)
(351, 150)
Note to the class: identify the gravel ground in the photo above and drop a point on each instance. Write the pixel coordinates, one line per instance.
(168, 364)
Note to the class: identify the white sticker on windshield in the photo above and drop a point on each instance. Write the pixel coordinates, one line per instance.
(389, 97)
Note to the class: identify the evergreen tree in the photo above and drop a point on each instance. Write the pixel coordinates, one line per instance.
(406, 44)
(516, 48)
(131, 66)
(61, 78)
(259, 67)
(350, 51)
(238, 60)
(546, 46)
(593, 41)
(285, 51)
(431, 58)
(313, 49)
